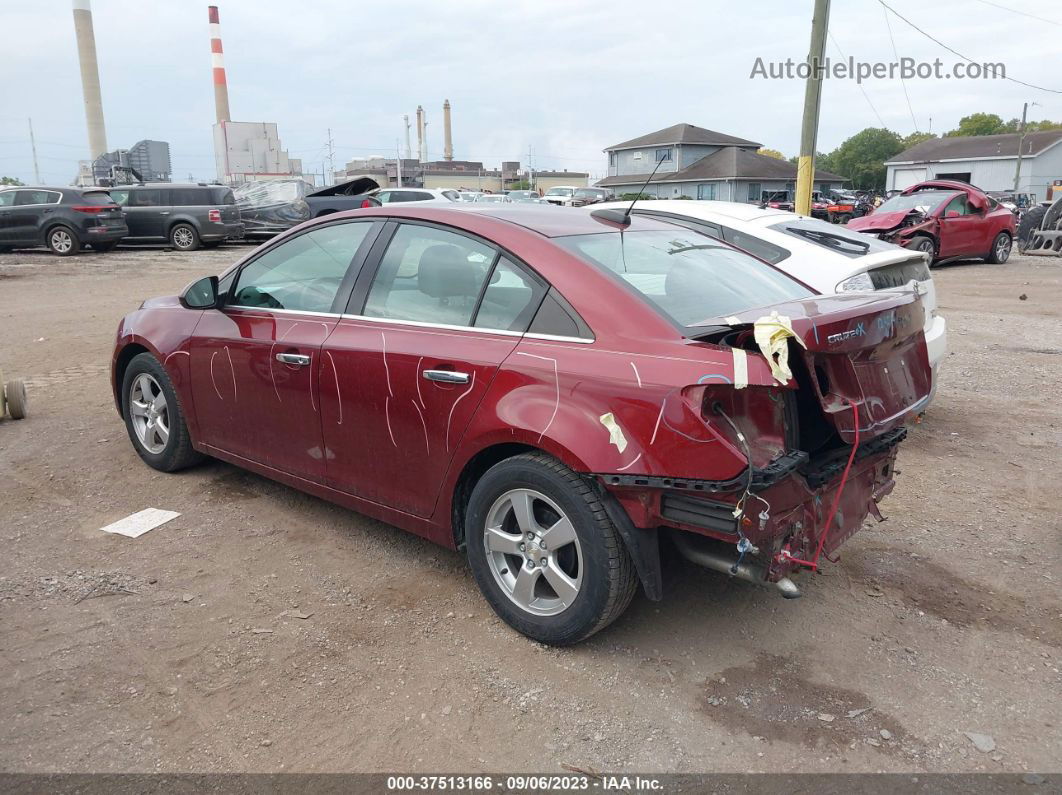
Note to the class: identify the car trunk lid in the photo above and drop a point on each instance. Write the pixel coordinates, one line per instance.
(865, 348)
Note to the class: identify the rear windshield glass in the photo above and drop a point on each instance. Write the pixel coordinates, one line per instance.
(98, 197)
(222, 196)
(689, 277)
(832, 236)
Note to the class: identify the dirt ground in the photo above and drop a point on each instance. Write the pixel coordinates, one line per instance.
(182, 650)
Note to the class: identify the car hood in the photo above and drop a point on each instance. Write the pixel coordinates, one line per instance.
(878, 221)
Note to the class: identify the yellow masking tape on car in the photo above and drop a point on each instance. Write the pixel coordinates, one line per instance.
(771, 334)
(741, 368)
(615, 432)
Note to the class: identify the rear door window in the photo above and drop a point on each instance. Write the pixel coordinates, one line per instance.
(221, 196)
(430, 275)
(510, 300)
(189, 197)
(144, 198)
(27, 197)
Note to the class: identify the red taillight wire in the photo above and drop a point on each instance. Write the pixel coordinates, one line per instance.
(813, 564)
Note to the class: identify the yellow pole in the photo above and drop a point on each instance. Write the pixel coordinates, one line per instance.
(809, 128)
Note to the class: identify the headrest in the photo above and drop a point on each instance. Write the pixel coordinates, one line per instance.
(445, 272)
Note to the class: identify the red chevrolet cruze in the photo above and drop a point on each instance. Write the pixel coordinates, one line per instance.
(549, 391)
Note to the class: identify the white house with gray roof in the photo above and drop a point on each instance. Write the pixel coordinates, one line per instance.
(702, 164)
(987, 161)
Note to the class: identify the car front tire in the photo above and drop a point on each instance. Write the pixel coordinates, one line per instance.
(184, 237)
(924, 244)
(544, 552)
(153, 416)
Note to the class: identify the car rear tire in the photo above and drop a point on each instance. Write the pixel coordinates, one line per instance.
(924, 244)
(544, 552)
(62, 241)
(1001, 247)
(15, 393)
(103, 248)
(184, 237)
(153, 416)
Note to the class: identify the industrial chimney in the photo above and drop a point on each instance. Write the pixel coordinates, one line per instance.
(90, 77)
(221, 86)
(421, 154)
(448, 138)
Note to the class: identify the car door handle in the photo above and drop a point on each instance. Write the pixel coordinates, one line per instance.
(446, 376)
(298, 359)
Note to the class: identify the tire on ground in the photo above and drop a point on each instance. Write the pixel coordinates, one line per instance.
(994, 257)
(62, 241)
(1028, 225)
(178, 452)
(15, 392)
(184, 237)
(923, 243)
(609, 580)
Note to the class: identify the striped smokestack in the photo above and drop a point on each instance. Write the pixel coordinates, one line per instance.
(221, 86)
(448, 139)
(90, 77)
(421, 156)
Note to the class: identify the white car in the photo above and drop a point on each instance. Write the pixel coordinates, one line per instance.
(493, 198)
(563, 195)
(393, 195)
(826, 257)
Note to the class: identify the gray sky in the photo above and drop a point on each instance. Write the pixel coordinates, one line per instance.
(567, 77)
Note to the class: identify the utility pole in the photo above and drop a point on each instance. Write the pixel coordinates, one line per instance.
(809, 128)
(33, 146)
(1021, 142)
(331, 159)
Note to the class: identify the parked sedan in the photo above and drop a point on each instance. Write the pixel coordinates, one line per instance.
(64, 220)
(826, 257)
(946, 220)
(547, 392)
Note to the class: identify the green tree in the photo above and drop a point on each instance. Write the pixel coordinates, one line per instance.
(978, 124)
(1014, 125)
(916, 138)
(11, 181)
(770, 153)
(862, 157)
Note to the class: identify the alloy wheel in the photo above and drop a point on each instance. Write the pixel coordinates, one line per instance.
(1003, 245)
(533, 552)
(926, 246)
(183, 237)
(62, 241)
(150, 413)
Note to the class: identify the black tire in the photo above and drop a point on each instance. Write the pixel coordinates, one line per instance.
(1000, 251)
(103, 248)
(184, 237)
(608, 579)
(15, 392)
(178, 452)
(925, 244)
(1030, 222)
(62, 241)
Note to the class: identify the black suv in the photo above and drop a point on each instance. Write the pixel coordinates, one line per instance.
(186, 216)
(63, 219)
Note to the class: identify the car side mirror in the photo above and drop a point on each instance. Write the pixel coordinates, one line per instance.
(201, 294)
(952, 214)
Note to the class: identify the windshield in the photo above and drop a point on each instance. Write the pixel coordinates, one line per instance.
(925, 199)
(832, 236)
(589, 193)
(688, 276)
(559, 192)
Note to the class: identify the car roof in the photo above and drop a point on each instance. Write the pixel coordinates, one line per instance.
(546, 220)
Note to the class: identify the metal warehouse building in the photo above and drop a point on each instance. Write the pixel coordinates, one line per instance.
(987, 161)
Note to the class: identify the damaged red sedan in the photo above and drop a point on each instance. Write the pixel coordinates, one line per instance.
(550, 393)
(946, 220)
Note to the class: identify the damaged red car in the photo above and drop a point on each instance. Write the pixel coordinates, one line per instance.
(550, 393)
(946, 220)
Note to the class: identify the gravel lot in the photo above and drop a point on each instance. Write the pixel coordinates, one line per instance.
(185, 649)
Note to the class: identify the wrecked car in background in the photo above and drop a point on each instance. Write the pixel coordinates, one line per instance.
(944, 219)
(547, 392)
(269, 207)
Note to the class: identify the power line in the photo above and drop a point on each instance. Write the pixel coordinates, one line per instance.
(903, 82)
(965, 58)
(866, 96)
(1021, 13)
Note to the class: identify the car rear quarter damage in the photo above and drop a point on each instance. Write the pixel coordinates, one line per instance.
(750, 471)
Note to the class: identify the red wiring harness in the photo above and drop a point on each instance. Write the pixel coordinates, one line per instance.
(813, 564)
